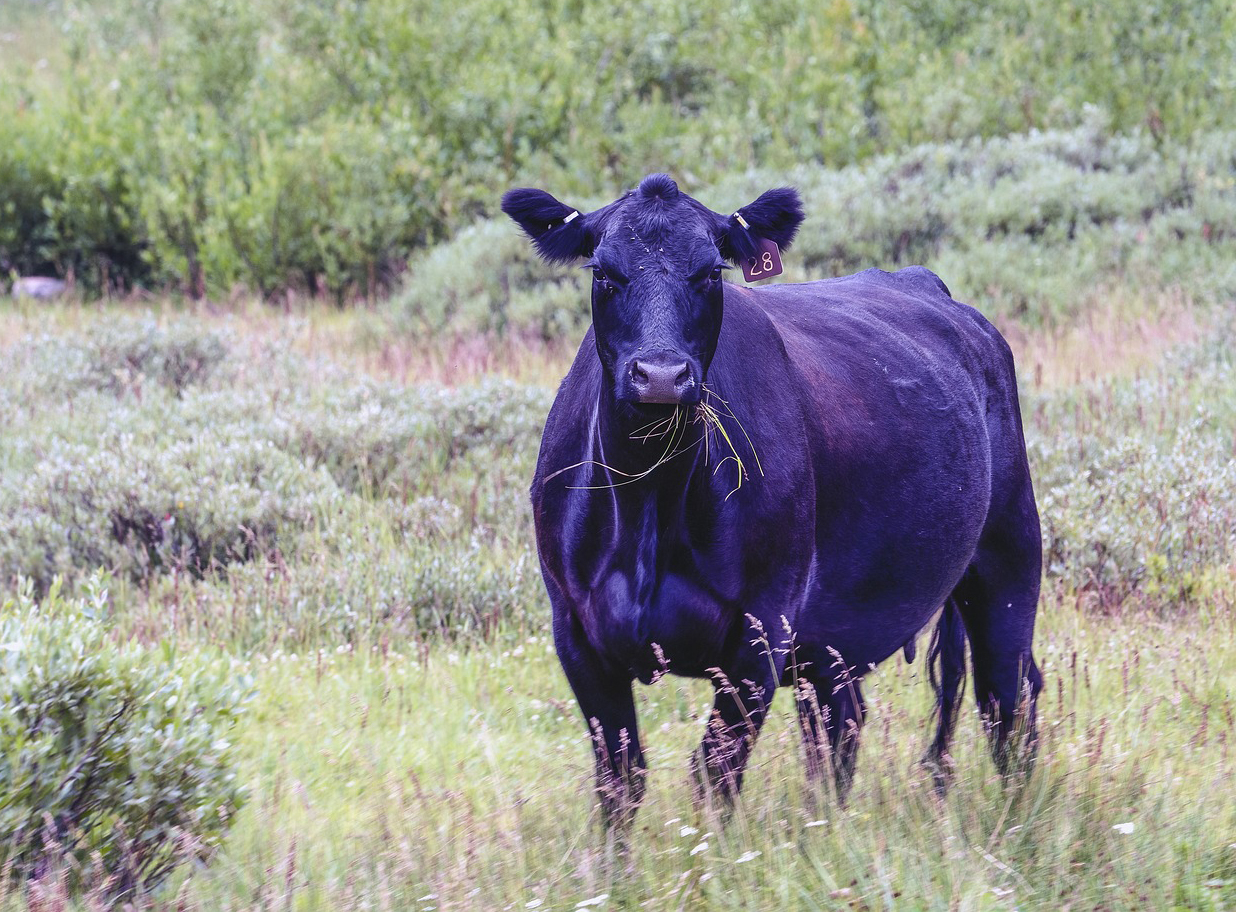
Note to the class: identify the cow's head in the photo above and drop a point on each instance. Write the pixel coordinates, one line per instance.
(656, 257)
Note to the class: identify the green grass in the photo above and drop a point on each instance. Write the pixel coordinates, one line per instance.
(412, 743)
(465, 777)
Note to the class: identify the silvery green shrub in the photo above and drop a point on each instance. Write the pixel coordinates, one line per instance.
(195, 503)
(115, 759)
(1135, 477)
(1021, 225)
(120, 356)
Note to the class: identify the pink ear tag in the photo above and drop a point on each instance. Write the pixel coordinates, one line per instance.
(765, 264)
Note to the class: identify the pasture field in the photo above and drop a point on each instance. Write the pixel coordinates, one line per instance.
(322, 498)
(339, 511)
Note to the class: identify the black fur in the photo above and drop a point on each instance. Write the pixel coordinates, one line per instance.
(543, 219)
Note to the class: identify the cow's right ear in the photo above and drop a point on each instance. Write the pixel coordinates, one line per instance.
(559, 232)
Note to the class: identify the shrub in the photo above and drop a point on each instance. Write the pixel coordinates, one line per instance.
(295, 143)
(112, 756)
(370, 584)
(305, 504)
(1134, 517)
(139, 504)
(1020, 226)
(1135, 481)
(489, 278)
(393, 441)
(124, 355)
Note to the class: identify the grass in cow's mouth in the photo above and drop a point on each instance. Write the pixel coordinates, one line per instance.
(711, 413)
(673, 427)
(659, 428)
(711, 416)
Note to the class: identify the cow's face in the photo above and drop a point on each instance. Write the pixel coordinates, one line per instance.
(657, 258)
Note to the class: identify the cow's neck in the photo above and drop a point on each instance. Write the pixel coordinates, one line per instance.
(647, 531)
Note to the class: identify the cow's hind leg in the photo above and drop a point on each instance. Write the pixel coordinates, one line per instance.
(997, 598)
(830, 714)
(737, 717)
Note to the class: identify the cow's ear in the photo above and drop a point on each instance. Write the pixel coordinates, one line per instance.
(559, 232)
(775, 216)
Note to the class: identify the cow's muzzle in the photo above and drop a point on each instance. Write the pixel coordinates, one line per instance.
(667, 381)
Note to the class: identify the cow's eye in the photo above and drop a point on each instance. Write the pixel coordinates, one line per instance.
(715, 275)
(601, 279)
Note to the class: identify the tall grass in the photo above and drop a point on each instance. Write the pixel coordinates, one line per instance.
(462, 781)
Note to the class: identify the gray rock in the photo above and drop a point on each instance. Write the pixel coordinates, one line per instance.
(39, 287)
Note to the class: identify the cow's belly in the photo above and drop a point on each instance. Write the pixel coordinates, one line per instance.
(879, 582)
(678, 625)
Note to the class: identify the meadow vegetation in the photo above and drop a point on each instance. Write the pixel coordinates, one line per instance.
(360, 547)
(1030, 225)
(272, 631)
(115, 765)
(280, 145)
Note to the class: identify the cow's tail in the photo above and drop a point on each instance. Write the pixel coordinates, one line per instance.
(946, 668)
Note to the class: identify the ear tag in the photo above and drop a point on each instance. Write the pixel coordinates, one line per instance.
(765, 264)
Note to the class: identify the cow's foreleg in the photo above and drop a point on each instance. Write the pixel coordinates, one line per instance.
(831, 712)
(744, 690)
(609, 711)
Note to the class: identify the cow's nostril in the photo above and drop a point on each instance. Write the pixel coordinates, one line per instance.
(638, 374)
(684, 376)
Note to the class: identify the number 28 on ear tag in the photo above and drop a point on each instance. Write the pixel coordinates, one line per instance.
(765, 264)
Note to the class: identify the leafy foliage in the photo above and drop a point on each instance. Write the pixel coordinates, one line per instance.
(1024, 224)
(160, 451)
(294, 144)
(1137, 487)
(112, 757)
(310, 506)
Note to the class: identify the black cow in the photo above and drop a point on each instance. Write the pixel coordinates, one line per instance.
(775, 485)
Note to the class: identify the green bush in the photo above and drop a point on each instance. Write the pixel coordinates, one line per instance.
(27, 240)
(1021, 226)
(1133, 516)
(114, 759)
(277, 499)
(123, 357)
(489, 278)
(375, 583)
(392, 441)
(193, 504)
(1135, 481)
(401, 510)
(298, 144)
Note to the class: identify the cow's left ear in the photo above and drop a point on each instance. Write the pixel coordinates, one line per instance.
(775, 216)
(559, 232)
